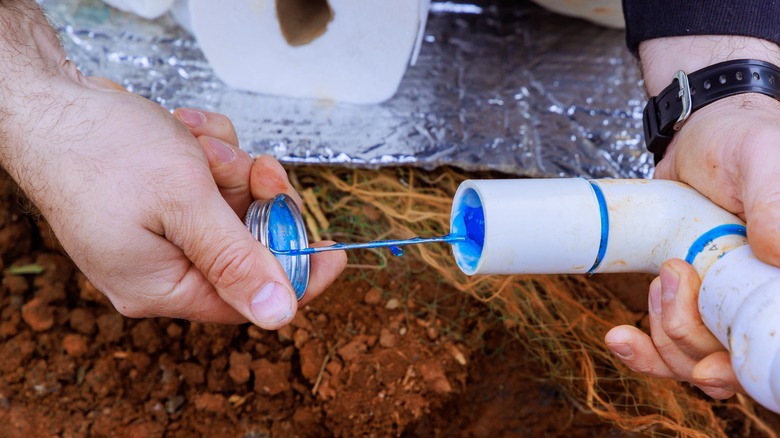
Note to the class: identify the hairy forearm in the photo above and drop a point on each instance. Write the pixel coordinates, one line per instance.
(31, 60)
(661, 58)
(28, 44)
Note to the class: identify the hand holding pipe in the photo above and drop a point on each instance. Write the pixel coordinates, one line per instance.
(577, 226)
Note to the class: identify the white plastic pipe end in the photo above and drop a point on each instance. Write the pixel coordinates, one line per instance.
(526, 226)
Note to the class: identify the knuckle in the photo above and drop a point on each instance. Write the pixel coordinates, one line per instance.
(232, 266)
(643, 368)
(677, 331)
(666, 348)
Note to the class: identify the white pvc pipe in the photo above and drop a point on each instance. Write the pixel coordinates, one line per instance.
(570, 226)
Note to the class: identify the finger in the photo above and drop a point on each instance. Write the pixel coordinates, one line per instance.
(716, 392)
(678, 361)
(244, 273)
(716, 371)
(202, 122)
(189, 296)
(230, 167)
(665, 168)
(268, 179)
(195, 299)
(325, 268)
(761, 194)
(635, 349)
(681, 320)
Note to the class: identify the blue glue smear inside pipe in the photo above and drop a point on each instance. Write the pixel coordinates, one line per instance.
(469, 219)
(474, 220)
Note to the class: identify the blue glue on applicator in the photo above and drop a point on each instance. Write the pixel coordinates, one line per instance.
(394, 245)
(468, 233)
(278, 224)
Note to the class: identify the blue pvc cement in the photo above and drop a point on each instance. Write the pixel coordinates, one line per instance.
(285, 236)
(604, 213)
(706, 239)
(469, 220)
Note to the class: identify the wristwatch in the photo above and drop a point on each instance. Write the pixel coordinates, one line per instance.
(666, 113)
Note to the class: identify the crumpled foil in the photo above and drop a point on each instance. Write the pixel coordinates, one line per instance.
(498, 85)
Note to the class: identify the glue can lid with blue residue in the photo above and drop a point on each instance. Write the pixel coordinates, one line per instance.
(278, 224)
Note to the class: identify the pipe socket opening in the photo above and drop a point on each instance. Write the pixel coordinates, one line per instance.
(468, 218)
(303, 21)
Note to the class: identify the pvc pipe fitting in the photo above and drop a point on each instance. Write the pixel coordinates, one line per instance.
(576, 226)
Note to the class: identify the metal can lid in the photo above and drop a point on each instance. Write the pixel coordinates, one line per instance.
(278, 224)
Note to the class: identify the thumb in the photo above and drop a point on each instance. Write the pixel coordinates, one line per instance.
(762, 207)
(244, 273)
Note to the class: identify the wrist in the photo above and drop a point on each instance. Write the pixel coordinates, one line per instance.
(661, 58)
(32, 64)
(29, 46)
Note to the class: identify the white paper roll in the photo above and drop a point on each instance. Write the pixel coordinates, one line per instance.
(604, 12)
(341, 50)
(146, 8)
(180, 11)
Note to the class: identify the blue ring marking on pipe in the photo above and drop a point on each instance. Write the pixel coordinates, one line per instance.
(705, 239)
(604, 212)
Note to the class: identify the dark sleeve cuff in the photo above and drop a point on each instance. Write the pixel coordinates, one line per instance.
(648, 19)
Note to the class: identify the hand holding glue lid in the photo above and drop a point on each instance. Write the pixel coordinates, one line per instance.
(172, 243)
(240, 180)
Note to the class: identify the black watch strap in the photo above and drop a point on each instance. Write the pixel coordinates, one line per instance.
(664, 114)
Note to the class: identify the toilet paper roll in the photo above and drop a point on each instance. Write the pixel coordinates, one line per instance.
(146, 8)
(342, 50)
(180, 11)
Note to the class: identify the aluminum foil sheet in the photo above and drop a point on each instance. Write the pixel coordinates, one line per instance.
(499, 85)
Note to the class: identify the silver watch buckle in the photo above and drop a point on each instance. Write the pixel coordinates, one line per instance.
(685, 97)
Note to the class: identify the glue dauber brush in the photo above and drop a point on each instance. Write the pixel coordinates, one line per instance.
(394, 245)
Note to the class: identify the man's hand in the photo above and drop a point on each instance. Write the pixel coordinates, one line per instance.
(730, 152)
(680, 347)
(128, 190)
(241, 179)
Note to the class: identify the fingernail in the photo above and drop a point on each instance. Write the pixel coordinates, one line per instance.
(273, 303)
(670, 281)
(622, 350)
(192, 118)
(223, 152)
(655, 297)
